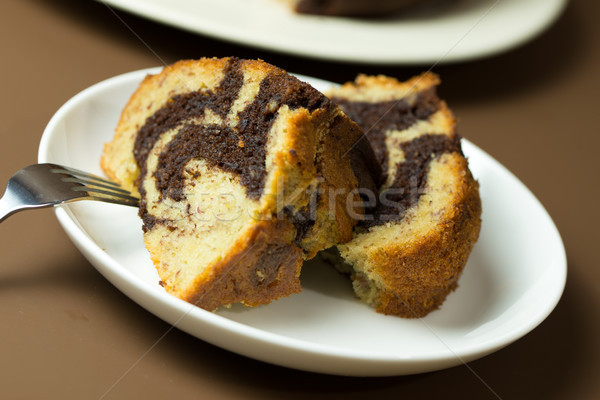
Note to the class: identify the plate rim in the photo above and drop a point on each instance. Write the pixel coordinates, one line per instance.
(547, 12)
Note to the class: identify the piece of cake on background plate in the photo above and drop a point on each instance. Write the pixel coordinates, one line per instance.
(351, 8)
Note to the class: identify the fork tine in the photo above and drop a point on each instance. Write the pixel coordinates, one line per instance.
(95, 187)
(111, 197)
(90, 180)
(118, 196)
(89, 183)
(84, 175)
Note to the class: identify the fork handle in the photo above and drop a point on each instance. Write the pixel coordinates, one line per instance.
(10, 205)
(7, 206)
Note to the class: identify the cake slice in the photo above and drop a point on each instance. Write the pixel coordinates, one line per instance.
(243, 172)
(408, 255)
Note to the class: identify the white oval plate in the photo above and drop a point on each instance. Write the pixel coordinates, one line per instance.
(514, 278)
(438, 31)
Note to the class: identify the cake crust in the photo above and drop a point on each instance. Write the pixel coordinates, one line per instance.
(415, 275)
(263, 265)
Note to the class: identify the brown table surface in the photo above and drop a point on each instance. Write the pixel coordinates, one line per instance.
(67, 333)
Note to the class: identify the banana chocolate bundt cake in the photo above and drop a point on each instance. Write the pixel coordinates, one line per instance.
(243, 171)
(407, 257)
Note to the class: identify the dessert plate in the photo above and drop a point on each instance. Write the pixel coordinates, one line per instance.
(436, 31)
(513, 280)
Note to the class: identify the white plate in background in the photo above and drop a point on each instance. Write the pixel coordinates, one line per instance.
(437, 31)
(513, 280)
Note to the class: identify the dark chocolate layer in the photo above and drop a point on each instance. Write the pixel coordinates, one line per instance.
(241, 149)
(181, 107)
(410, 179)
(411, 176)
(377, 118)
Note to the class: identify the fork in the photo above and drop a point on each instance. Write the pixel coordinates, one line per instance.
(45, 185)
